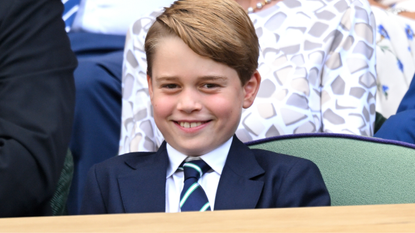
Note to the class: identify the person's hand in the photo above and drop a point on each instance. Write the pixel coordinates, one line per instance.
(375, 3)
(407, 14)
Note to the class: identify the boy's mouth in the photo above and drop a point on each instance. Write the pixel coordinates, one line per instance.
(191, 124)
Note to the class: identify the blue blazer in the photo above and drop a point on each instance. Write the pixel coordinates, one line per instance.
(251, 178)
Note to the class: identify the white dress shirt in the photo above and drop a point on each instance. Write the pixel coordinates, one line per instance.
(175, 178)
(113, 16)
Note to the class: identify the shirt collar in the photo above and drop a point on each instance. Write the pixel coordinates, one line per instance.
(215, 159)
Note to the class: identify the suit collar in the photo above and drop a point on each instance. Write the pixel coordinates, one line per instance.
(237, 189)
(143, 189)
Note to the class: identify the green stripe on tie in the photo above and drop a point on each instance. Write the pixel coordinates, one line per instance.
(204, 208)
(188, 192)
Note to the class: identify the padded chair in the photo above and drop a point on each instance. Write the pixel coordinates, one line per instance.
(357, 170)
(58, 201)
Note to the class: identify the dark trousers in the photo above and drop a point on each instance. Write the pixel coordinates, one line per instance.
(96, 129)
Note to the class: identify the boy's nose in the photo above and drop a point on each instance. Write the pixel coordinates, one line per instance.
(189, 101)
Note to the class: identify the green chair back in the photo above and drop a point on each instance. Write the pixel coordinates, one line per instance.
(357, 170)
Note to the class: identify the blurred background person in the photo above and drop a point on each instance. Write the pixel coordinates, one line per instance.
(37, 98)
(395, 51)
(401, 126)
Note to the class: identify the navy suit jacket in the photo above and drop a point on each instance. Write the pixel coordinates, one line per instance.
(251, 178)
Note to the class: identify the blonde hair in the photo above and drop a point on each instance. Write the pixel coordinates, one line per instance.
(217, 29)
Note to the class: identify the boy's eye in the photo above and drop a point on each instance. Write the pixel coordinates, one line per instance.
(210, 85)
(170, 86)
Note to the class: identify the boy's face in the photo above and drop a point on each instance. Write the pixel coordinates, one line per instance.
(197, 102)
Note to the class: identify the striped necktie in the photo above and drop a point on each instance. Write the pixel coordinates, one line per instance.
(193, 197)
(71, 7)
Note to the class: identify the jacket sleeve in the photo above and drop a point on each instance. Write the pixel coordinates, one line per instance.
(92, 202)
(303, 185)
(36, 104)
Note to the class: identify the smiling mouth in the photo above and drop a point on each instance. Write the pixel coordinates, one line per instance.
(191, 124)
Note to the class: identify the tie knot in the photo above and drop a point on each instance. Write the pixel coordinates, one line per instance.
(195, 169)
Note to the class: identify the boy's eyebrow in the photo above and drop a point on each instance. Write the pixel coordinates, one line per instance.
(167, 78)
(213, 78)
(202, 78)
(163, 79)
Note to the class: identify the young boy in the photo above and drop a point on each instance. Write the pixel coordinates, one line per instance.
(202, 60)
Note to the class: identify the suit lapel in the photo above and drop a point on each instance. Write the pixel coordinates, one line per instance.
(236, 189)
(143, 190)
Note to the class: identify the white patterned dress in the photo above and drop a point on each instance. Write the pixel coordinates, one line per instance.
(317, 62)
(395, 55)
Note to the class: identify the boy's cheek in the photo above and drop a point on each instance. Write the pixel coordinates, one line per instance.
(162, 106)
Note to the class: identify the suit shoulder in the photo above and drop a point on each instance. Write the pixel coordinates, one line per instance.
(136, 157)
(270, 157)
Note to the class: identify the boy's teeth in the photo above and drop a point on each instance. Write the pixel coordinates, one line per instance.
(190, 125)
(194, 124)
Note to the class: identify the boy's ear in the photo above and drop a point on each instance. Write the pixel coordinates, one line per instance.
(150, 87)
(251, 89)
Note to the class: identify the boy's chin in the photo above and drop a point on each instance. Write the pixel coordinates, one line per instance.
(196, 146)
(194, 150)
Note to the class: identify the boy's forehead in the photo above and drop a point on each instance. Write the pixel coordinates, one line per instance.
(174, 60)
